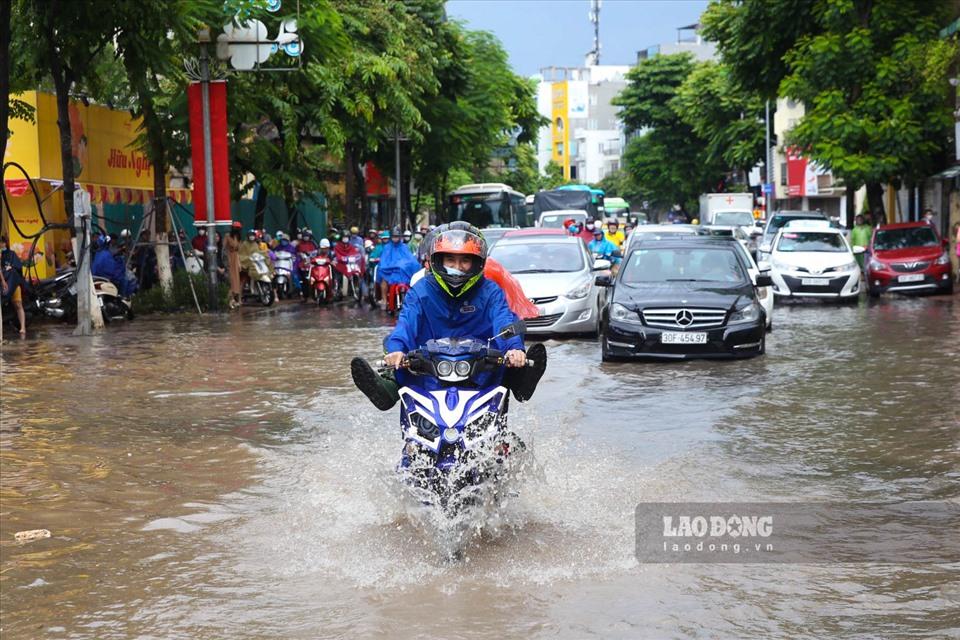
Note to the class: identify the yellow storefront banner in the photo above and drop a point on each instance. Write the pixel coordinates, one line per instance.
(105, 160)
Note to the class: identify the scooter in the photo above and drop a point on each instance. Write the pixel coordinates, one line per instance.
(395, 295)
(303, 266)
(349, 278)
(112, 305)
(457, 447)
(320, 280)
(283, 273)
(258, 282)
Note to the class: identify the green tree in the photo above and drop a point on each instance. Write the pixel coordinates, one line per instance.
(753, 36)
(720, 112)
(873, 80)
(666, 159)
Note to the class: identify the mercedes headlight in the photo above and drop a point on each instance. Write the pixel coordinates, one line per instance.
(749, 313)
(462, 368)
(578, 292)
(444, 368)
(622, 314)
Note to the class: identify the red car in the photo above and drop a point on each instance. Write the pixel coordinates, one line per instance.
(908, 257)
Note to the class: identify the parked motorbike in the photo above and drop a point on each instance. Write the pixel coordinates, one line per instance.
(112, 305)
(193, 262)
(457, 447)
(283, 273)
(373, 292)
(320, 280)
(259, 284)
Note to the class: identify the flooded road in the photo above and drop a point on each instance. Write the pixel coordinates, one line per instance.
(212, 478)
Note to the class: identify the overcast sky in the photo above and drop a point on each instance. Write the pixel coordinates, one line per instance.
(541, 33)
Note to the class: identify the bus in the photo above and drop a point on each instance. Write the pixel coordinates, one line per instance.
(596, 197)
(489, 204)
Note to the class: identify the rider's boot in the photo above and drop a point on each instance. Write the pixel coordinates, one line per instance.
(523, 380)
(382, 391)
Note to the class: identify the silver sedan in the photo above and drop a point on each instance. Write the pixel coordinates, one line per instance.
(557, 274)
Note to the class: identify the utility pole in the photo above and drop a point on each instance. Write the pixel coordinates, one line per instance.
(396, 144)
(768, 186)
(211, 248)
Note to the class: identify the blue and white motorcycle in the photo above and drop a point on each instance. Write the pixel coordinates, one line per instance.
(457, 448)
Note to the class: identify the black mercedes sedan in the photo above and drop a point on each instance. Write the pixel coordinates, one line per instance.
(689, 297)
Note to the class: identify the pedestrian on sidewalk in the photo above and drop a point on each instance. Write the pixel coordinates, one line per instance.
(860, 237)
(231, 246)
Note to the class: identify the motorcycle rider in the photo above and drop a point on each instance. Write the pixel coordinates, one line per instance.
(248, 248)
(454, 299)
(397, 264)
(613, 233)
(344, 249)
(109, 263)
(355, 238)
(602, 248)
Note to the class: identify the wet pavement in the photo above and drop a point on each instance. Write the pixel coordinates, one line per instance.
(215, 478)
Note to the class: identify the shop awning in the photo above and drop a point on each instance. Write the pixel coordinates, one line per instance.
(103, 193)
(952, 172)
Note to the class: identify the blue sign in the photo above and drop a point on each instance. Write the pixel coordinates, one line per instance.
(768, 187)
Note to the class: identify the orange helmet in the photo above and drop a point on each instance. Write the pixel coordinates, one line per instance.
(463, 239)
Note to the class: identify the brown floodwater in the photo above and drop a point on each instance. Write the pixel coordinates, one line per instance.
(221, 478)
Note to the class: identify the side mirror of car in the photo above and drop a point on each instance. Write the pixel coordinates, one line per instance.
(764, 280)
(603, 281)
(765, 247)
(859, 250)
(763, 266)
(945, 243)
(601, 265)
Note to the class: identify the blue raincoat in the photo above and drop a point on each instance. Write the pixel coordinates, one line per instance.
(429, 313)
(397, 264)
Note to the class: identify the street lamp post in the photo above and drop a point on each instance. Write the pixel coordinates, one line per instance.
(211, 248)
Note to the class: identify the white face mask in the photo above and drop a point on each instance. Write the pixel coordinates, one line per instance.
(453, 271)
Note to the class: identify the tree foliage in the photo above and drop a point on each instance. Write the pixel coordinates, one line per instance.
(667, 161)
(872, 78)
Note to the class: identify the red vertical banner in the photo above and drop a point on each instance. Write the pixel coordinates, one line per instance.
(218, 144)
(796, 170)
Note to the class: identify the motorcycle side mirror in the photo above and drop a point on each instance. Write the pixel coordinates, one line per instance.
(517, 328)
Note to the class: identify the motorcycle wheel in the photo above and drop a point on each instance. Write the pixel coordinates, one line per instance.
(357, 290)
(265, 293)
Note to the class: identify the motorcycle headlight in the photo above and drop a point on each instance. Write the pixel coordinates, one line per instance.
(943, 259)
(749, 313)
(462, 368)
(622, 314)
(444, 368)
(579, 292)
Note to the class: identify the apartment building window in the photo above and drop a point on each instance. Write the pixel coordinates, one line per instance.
(559, 148)
(592, 124)
(593, 99)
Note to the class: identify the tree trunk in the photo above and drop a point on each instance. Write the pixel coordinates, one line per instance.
(442, 214)
(4, 77)
(350, 182)
(851, 207)
(875, 201)
(161, 247)
(88, 312)
(260, 206)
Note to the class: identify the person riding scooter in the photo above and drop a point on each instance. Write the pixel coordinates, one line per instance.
(343, 251)
(397, 266)
(603, 249)
(453, 300)
(248, 248)
(109, 263)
